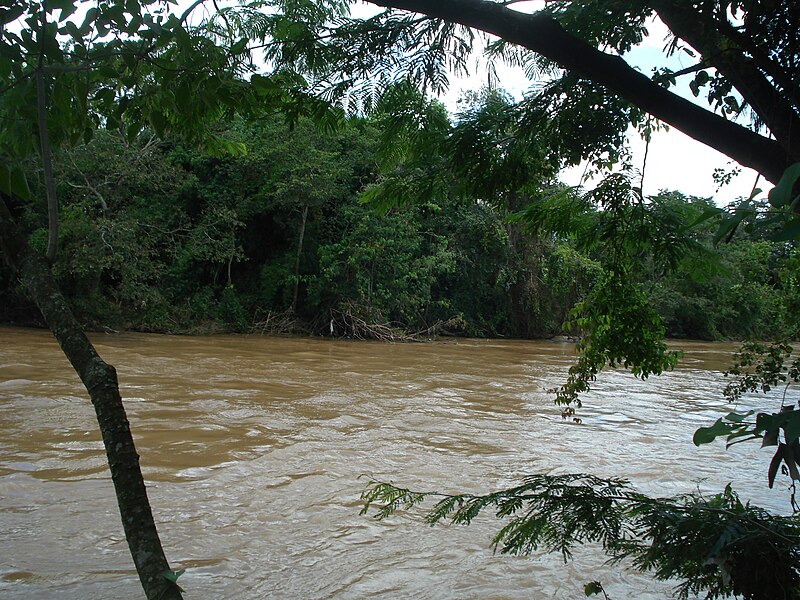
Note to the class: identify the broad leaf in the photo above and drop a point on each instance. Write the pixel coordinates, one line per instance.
(706, 435)
(789, 231)
(781, 194)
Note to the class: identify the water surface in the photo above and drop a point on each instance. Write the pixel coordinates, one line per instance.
(255, 452)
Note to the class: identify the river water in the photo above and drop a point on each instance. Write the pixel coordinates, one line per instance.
(256, 451)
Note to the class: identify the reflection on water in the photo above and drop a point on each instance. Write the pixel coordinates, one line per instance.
(255, 450)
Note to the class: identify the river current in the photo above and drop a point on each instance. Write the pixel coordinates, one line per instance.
(255, 451)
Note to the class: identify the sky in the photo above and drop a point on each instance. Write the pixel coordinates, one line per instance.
(674, 160)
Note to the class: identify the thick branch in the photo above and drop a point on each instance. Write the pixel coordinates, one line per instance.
(100, 379)
(781, 76)
(774, 108)
(542, 34)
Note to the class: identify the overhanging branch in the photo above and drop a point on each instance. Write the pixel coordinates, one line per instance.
(543, 35)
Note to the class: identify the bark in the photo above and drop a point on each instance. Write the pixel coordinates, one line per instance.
(100, 380)
(774, 107)
(297, 257)
(543, 35)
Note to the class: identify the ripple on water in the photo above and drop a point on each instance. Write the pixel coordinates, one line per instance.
(255, 451)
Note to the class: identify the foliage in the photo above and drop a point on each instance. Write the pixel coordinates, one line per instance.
(620, 328)
(761, 368)
(616, 321)
(155, 233)
(68, 68)
(387, 265)
(217, 239)
(740, 289)
(745, 62)
(716, 545)
(129, 65)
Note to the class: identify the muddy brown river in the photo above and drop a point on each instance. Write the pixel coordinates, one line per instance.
(255, 451)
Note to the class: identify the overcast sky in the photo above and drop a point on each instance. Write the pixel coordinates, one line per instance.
(674, 160)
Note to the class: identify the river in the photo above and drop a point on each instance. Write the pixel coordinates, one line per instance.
(256, 450)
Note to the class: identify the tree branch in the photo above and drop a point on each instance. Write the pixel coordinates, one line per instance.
(542, 34)
(774, 108)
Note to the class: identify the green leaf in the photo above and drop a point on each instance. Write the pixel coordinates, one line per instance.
(72, 30)
(132, 130)
(736, 417)
(788, 458)
(707, 214)
(130, 59)
(768, 422)
(18, 183)
(789, 231)
(792, 426)
(89, 21)
(14, 182)
(770, 438)
(738, 437)
(592, 588)
(239, 46)
(781, 195)
(173, 575)
(67, 7)
(706, 435)
(183, 95)
(732, 103)
(730, 223)
(7, 15)
(774, 465)
(105, 95)
(158, 121)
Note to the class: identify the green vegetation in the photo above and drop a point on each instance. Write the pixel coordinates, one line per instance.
(190, 189)
(161, 236)
(713, 545)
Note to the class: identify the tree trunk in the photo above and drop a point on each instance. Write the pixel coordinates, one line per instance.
(47, 167)
(100, 380)
(297, 257)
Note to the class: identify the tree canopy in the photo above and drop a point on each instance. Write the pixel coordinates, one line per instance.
(750, 80)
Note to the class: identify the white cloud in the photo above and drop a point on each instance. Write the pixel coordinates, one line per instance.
(674, 160)
(677, 162)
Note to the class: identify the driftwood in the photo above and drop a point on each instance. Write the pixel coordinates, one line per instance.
(278, 323)
(351, 321)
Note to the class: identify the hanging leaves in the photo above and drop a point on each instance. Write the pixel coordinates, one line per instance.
(715, 545)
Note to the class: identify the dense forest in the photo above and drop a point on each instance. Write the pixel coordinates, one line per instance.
(277, 238)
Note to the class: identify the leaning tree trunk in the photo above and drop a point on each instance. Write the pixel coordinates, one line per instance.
(100, 380)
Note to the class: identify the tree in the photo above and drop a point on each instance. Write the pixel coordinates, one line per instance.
(131, 66)
(583, 114)
(305, 174)
(66, 68)
(748, 59)
(738, 59)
